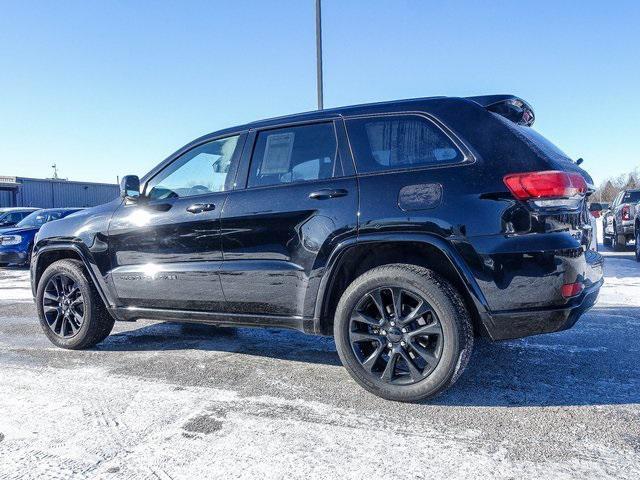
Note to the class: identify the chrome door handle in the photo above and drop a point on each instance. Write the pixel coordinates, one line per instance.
(327, 193)
(201, 207)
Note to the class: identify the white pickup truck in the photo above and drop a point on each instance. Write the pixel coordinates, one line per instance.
(618, 221)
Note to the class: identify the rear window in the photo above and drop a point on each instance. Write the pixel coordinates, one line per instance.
(399, 141)
(535, 140)
(631, 197)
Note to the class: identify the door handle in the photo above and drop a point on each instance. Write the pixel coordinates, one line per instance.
(327, 193)
(201, 207)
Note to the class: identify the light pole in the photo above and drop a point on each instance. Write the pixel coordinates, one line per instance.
(319, 54)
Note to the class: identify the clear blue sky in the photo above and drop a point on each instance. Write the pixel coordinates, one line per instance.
(112, 87)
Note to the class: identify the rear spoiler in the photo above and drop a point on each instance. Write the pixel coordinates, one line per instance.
(508, 106)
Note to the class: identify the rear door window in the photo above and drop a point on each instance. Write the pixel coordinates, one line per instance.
(393, 142)
(295, 154)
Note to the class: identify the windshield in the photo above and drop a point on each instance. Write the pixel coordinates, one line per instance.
(37, 219)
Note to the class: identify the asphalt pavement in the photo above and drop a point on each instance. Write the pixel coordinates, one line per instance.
(162, 400)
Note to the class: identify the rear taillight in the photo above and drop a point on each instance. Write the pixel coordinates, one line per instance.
(626, 212)
(572, 289)
(548, 188)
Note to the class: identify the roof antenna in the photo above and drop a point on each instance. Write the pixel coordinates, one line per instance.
(55, 171)
(579, 161)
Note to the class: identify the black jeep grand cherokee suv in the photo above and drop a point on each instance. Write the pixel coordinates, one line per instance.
(402, 228)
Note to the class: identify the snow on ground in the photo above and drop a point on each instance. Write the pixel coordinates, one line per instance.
(14, 285)
(622, 282)
(161, 400)
(93, 428)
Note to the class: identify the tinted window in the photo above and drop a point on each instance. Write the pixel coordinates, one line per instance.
(294, 154)
(535, 140)
(39, 218)
(205, 169)
(631, 197)
(396, 142)
(12, 217)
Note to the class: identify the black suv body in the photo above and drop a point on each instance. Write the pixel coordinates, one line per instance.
(402, 228)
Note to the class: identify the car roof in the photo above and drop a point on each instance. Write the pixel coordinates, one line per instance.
(359, 109)
(325, 114)
(401, 105)
(19, 209)
(369, 108)
(61, 209)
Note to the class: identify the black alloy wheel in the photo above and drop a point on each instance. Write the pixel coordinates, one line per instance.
(396, 335)
(63, 305)
(403, 332)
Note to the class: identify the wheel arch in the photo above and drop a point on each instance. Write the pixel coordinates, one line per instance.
(352, 258)
(48, 254)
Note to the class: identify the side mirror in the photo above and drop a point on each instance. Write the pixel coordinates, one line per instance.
(130, 187)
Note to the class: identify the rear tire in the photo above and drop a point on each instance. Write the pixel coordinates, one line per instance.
(409, 356)
(71, 311)
(619, 243)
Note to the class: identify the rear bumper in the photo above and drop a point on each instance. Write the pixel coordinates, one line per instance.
(523, 323)
(626, 229)
(524, 290)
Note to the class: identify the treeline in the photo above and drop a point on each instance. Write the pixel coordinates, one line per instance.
(612, 186)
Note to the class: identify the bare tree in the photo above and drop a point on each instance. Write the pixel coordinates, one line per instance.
(613, 185)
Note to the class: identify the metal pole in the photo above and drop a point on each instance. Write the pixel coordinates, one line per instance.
(319, 54)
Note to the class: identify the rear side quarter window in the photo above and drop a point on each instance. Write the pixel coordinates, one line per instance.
(395, 142)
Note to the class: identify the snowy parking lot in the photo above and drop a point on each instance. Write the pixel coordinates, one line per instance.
(161, 400)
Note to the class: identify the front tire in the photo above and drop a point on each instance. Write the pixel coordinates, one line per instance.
(70, 309)
(403, 332)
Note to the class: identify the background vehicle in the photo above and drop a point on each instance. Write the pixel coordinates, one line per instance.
(618, 221)
(401, 228)
(636, 234)
(10, 216)
(595, 209)
(16, 242)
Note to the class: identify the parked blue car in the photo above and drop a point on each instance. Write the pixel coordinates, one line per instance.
(12, 215)
(16, 242)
